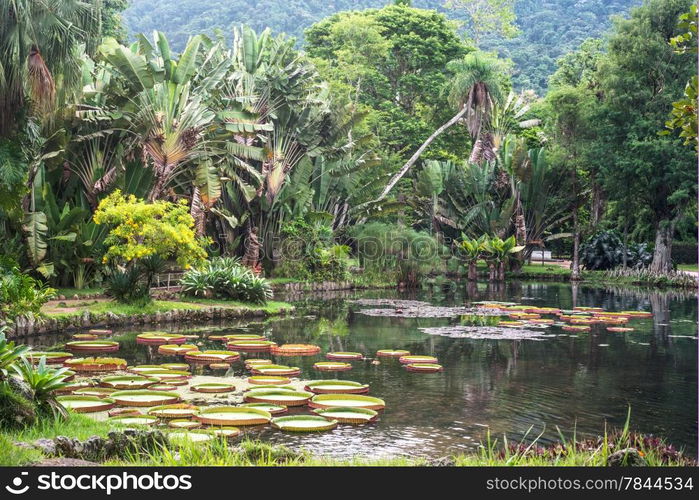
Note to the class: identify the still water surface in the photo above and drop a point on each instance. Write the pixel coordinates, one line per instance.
(510, 387)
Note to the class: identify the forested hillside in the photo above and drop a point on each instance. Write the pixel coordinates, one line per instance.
(548, 28)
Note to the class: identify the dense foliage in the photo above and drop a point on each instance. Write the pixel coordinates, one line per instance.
(225, 278)
(547, 30)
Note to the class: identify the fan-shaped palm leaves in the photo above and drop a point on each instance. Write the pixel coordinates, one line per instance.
(37, 41)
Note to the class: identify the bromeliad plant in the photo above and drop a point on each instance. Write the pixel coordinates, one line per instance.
(224, 277)
(43, 381)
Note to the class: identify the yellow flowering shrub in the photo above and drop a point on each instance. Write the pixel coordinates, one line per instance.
(141, 229)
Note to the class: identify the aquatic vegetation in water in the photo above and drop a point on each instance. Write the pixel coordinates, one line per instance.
(484, 332)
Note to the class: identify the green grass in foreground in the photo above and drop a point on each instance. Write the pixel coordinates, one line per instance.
(567, 452)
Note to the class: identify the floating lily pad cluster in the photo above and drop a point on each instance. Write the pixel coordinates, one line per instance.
(523, 322)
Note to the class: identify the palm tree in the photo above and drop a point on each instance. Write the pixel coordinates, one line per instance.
(474, 89)
(38, 40)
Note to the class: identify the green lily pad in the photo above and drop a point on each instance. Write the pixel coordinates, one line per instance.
(303, 423)
(346, 415)
(278, 397)
(145, 398)
(336, 387)
(134, 420)
(347, 401)
(232, 415)
(86, 404)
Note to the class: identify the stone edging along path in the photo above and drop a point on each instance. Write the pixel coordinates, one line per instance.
(88, 319)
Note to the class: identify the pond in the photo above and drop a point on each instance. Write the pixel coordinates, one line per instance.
(572, 381)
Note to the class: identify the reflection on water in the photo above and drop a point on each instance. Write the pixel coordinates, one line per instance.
(512, 387)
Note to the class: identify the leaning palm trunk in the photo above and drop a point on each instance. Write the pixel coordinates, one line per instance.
(404, 169)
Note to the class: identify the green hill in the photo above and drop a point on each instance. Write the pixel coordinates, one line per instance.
(549, 28)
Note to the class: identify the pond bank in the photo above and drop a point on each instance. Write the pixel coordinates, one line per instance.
(72, 315)
(82, 438)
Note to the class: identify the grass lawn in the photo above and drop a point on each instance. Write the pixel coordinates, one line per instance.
(73, 308)
(688, 267)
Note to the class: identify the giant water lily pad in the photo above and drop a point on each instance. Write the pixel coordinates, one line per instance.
(424, 367)
(169, 376)
(134, 419)
(183, 423)
(195, 436)
(176, 350)
(251, 345)
(213, 387)
(344, 356)
(233, 415)
(160, 338)
(226, 432)
(273, 409)
(145, 398)
(128, 382)
(249, 363)
(295, 350)
(86, 404)
(278, 397)
(92, 346)
(100, 332)
(268, 380)
(392, 353)
(347, 401)
(207, 357)
(100, 392)
(51, 357)
(417, 359)
(303, 423)
(332, 366)
(336, 387)
(237, 336)
(95, 364)
(346, 415)
(484, 332)
(180, 410)
(290, 371)
(74, 386)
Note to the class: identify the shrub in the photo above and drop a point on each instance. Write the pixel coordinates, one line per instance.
(605, 250)
(21, 295)
(684, 252)
(307, 252)
(389, 249)
(225, 278)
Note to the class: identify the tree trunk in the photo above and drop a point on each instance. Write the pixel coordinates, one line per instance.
(662, 262)
(472, 271)
(625, 255)
(501, 271)
(491, 271)
(575, 274)
(404, 169)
